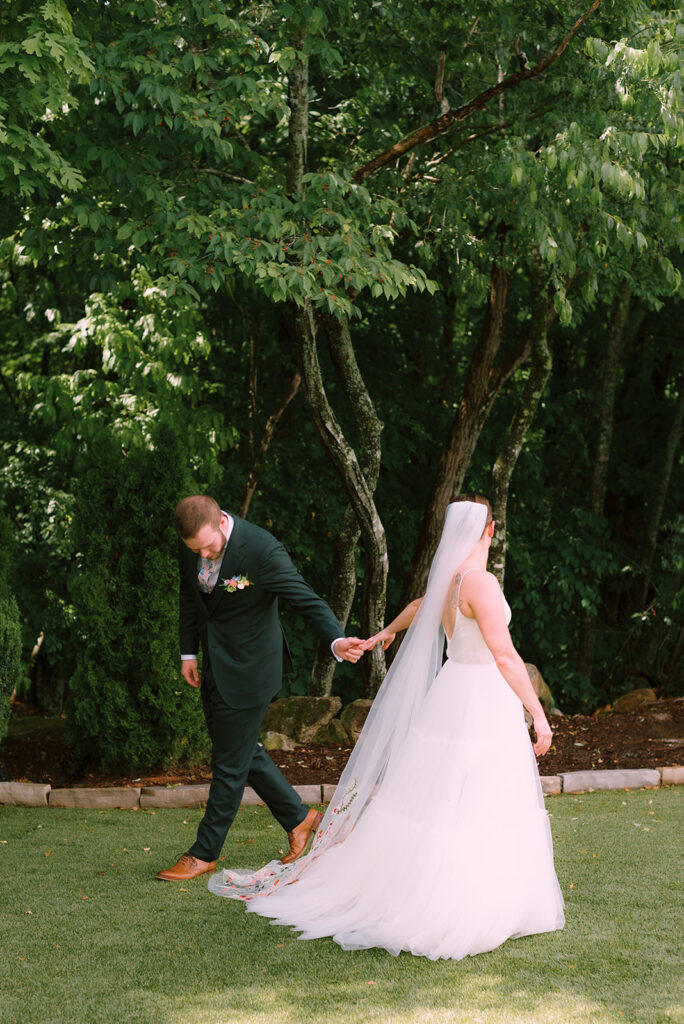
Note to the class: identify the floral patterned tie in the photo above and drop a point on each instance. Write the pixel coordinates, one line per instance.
(207, 567)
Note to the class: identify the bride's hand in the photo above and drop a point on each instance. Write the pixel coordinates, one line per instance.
(544, 735)
(384, 637)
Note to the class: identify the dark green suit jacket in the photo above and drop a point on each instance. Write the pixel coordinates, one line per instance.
(240, 632)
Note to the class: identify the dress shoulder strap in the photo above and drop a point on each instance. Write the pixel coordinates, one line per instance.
(473, 568)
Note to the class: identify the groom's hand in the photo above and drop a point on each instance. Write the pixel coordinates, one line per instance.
(349, 648)
(190, 672)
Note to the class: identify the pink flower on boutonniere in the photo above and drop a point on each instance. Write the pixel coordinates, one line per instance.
(236, 583)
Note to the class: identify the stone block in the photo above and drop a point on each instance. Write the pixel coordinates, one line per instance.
(24, 794)
(354, 715)
(618, 778)
(250, 798)
(277, 741)
(328, 792)
(673, 776)
(309, 794)
(100, 798)
(305, 719)
(336, 733)
(550, 784)
(175, 796)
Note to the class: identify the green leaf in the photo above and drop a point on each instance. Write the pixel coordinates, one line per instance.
(32, 46)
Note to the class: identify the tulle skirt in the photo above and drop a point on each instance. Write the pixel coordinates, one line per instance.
(453, 855)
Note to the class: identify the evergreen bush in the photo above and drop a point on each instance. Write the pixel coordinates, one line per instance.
(10, 632)
(129, 707)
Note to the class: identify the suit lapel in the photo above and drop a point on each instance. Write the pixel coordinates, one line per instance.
(188, 568)
(232, 563)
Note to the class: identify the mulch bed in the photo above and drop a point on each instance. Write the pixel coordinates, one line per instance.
(649, 738)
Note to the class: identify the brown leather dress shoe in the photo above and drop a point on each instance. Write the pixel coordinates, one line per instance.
(300, 835)
(186, 868)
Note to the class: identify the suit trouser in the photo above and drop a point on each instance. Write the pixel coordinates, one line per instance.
(238, 759)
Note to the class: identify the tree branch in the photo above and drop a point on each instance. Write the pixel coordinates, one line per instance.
(264, 444)
(226, 175)
(442, 123)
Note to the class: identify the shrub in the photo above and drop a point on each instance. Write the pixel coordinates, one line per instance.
(129, 707)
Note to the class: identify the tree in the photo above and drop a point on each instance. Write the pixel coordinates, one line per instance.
(227, 152)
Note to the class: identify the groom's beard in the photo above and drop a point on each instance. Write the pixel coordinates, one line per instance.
(215, 554)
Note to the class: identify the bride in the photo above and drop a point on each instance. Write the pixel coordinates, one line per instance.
(436, 841)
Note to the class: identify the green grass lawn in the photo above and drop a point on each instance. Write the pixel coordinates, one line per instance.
(89, 936)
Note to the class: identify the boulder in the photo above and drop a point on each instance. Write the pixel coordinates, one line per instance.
(353, 717)
(540, 687)
(277, 741)
(635, 699)
(336, 733)
(304, 719)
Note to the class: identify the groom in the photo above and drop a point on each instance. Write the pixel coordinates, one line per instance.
(231, 577)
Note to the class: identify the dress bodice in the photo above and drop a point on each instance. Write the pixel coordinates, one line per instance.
(466, 644)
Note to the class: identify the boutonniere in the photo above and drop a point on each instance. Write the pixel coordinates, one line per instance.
(236, 583)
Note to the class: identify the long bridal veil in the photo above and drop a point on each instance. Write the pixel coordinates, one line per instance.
(392, 714)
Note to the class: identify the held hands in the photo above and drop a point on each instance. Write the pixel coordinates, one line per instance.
(349, 648)
(543, 733)
(190, 672)
(384, 637)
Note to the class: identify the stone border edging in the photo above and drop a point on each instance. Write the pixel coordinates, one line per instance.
(33, 794)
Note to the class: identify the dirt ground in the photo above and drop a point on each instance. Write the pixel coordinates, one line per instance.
(35, 750)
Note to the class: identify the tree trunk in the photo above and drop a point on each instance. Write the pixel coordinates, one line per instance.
(298, 126)
(341, 598)
(604, 440)
(369, 448)
(359, 482)
(540, 369)
(471, 416)
(344, 459)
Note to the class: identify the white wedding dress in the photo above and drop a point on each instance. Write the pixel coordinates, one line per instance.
(452, 854)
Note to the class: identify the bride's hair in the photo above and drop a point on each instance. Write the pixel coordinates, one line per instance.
(480, 500)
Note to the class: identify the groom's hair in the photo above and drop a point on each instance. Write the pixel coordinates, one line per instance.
(194, 512)
(480, 501)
